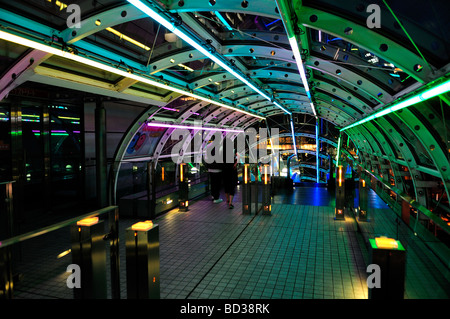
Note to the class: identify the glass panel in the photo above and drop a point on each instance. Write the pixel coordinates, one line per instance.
(5, 144)
(65, 149)
(33, 150)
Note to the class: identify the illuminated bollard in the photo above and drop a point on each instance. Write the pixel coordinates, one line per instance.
(363, 201)
(142, 259)
(246, 192)
(183, 190)
(390, 256)
(340, 194)
(266, 192)
(89, 252)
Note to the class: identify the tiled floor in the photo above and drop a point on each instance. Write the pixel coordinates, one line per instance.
(212, 252)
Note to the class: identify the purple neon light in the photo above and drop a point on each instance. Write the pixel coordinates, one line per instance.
(163, 125)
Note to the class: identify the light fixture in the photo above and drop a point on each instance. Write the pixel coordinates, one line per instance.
(176, 126)
(142, 226)
(80, 59)
(293, 138)
(89, 221)
(168, 25)
(222, 19)
(338, 150)
(417, 98)
(127, 38)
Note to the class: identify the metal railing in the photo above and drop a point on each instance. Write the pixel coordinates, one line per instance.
(6, 288)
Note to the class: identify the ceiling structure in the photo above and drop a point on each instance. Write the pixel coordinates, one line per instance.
(231, 63)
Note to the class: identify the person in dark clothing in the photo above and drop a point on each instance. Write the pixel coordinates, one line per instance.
(215, 169)
(229, 172)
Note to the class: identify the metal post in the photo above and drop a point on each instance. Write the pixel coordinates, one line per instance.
(254, 186)
(113, 237)
(266, 191)
(142, 251)
(391, 260)
(363, 197)
(340, 193)
(151, 189)
(246, 191)
(100, 154)
(183, 189)
(89, 253)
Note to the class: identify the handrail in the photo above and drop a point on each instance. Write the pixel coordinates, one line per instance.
(48, 229)
(7, 182)
(412, 202)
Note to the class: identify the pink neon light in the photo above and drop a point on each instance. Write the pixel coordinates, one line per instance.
(193, 127)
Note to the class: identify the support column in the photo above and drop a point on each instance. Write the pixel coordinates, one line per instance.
(340, 193)
(151, 189)
(363, 191)
(46, 135)
(100, 154)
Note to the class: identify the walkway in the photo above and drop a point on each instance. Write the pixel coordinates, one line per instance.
(212, 252)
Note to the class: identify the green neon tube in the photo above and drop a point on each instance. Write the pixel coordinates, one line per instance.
(420, 97)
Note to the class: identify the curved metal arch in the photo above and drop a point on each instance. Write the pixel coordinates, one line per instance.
(367, 39)
(261, 51)
(387, 149)
(344, 95)
(429, 142)
(265, 8)
(405, 149)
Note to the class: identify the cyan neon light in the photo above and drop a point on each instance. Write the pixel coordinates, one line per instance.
(167, 24)
(222, 19)
(420, 97)
(301, 70)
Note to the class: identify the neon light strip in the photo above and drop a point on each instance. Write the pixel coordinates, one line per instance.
(168, 25)
(338, 150)
(301, 70)
(293, 138)
(45, 48)
(163, 125)
(427, 94)
(225, 22)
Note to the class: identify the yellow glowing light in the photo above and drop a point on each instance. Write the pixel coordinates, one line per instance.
(88, 221)
(59, 4)
(69, 118)
(185, 67)
(127, 38)
(265, 174)
(340, 176)
(162, 173)
(64, 253)
(245, 173)
(142, 226)
(386, 243)
(363, 183)
(181, 172)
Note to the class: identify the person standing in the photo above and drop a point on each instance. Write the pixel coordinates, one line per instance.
(230, 173)
(215, 168)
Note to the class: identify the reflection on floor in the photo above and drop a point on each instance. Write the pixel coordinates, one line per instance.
(212, 251)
